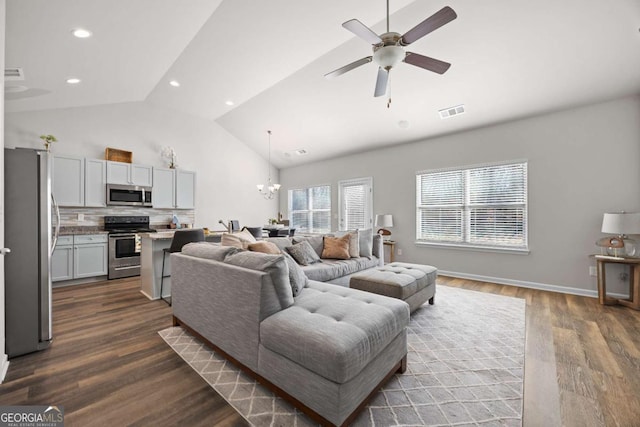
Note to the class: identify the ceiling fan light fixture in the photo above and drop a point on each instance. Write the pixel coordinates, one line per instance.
(388, 56)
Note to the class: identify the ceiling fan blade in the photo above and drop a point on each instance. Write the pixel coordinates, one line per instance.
(362, 31)
(348, 67)
(381, 82)
(432, 23)
(427, 63)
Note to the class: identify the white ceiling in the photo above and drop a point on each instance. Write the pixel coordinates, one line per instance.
(509, 59)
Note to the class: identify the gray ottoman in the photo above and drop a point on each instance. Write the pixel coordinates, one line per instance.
(412, 283)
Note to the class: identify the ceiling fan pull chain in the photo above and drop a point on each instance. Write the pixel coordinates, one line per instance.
(389, 100)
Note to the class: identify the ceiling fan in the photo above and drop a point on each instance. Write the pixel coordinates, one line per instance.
(388, 48)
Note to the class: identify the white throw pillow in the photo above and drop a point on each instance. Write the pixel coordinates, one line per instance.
(241, 239)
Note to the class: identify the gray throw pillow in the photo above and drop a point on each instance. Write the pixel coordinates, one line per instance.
(366, 242)
(303, 253)
(296, 276)
(209, 250)
(314, 241)
(275, 265)
(280, 242)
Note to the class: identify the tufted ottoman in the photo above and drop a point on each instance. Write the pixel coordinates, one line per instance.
(412, 283)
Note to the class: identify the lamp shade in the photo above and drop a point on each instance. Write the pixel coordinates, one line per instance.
(384, 220)
(621, 223)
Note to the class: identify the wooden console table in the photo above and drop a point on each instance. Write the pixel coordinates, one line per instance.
(634, 281)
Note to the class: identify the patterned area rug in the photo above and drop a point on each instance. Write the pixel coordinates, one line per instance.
(465, 368)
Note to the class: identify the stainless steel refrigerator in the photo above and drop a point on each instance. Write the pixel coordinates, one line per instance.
(28, 234)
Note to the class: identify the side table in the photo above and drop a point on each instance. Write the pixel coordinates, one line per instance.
(634, 281)
(392, 248)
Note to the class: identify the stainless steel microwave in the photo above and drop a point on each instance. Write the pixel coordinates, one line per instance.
(128, 195)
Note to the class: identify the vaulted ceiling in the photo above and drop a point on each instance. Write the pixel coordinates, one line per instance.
(509, 59)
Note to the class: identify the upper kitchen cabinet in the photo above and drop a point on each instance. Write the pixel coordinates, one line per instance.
(173, 188)
(185, 189)
(129, 174)
(95, 179)
(68, 180)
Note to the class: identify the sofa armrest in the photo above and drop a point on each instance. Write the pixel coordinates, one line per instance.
(378, 249)
(223, 303)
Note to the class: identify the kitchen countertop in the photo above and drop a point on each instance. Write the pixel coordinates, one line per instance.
(70, 231)
(168, 234)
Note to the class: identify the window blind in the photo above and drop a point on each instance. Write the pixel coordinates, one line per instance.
(354, 200)
(482, 206)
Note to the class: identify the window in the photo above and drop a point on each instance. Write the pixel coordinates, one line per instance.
(480, 206)
(355, 204)
(310, 209)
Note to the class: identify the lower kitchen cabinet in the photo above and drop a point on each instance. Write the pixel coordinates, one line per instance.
(79, 256)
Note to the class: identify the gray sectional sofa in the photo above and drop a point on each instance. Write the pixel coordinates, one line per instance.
(338, 271)
(327, 349)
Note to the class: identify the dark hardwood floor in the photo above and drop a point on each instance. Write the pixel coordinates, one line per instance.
(108, 366)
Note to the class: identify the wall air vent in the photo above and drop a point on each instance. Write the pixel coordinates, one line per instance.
(13, 74)
(451, 111)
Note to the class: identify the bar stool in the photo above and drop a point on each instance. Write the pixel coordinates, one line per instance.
(180, 238)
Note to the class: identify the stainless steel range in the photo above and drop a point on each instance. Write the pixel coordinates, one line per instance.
(124, 244)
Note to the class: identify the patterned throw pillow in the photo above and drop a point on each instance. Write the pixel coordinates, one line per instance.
(303, 253)
(264, 247)
(296, 276)
(336, 247)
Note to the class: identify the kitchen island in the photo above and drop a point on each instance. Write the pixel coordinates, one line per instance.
(151, 253)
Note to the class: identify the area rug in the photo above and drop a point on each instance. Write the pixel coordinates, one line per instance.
(465, 368)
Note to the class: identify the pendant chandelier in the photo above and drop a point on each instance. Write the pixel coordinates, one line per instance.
(271, 189)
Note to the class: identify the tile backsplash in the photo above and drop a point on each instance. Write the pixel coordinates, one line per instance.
(94, 217)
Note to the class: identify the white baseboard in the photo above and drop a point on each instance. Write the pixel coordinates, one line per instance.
(530, 285)
(4, 366)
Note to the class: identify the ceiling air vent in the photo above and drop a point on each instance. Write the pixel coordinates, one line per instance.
(13, 74)
(301, 152)
(451, 111)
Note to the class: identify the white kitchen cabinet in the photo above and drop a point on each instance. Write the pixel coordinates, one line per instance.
(129, 174)
(173, 188)
(80, 256)
(62, 260)
(95, 179)
(164, 188)
(185, 189)
(68, 180)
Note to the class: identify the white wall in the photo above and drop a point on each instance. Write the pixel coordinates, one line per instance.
(3, 357)
(582, 162)
(227, 170)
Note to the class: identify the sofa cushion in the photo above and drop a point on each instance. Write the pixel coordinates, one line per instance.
(314, 241)
(331, 269)
(275, 265)
(296, 276)
(208, 250)
(336, 247)
(354, 242)
(343, 329)
(264, 247)
(365, 239)
(303, 253)
(241, 239)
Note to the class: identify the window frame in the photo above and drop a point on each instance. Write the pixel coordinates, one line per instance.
(466, 208)
(308, 211)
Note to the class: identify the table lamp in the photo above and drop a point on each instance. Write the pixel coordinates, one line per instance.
(383, 221)
(621, 224)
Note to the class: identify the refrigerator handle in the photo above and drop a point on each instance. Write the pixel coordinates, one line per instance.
(57, 230)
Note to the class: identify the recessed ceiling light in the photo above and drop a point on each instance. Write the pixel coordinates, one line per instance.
(403, 124)
(229, 103)
(73, 80)
(174, 83)
(81, 33)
